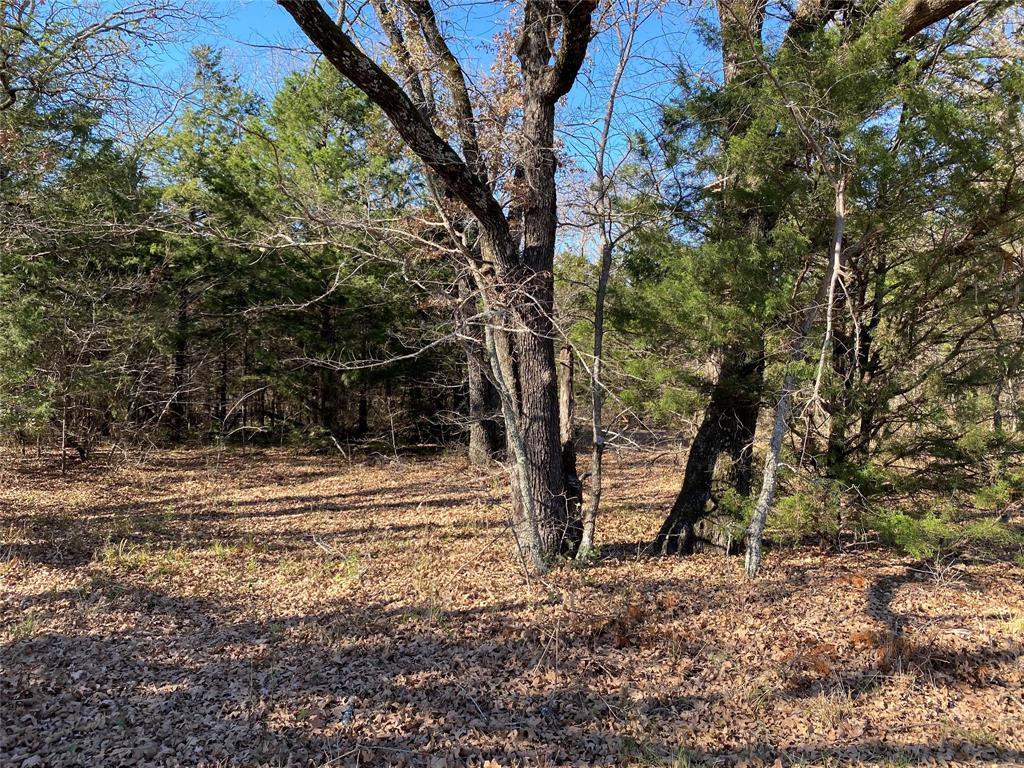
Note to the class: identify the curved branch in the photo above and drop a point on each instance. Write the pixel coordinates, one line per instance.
(456, 80)
(915, 15)
(577, 18)
(338, 48)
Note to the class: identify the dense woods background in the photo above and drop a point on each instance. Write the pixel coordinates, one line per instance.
(808, 269)
(556, 382)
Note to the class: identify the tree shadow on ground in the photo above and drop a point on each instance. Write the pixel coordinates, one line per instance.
(890, 649)
(70, 538)
(351, 681)
(138, 674)
(191, 680)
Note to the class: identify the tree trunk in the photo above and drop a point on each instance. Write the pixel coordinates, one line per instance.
(517, 250)
(755, 533)
(363, 416)
(64, 436)
(540, 511)
(597, 401)
(537, 381)
(178, 379)
(329, 396)
(606, 222)
(728, 426)
(222, 391)
(844, 367)
(485, 434)
(730, 420)
(825, 296)
(746, 408)
(567, 420)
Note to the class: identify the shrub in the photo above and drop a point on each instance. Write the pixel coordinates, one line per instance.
(1001, 493)
(930, 535)
(993, 497)
(816, 512)
(920, 537)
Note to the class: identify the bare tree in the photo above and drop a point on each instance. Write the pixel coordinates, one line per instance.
(72, 52)
(605, 215)
(514, 263)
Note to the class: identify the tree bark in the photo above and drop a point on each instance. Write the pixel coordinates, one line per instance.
(485, 433)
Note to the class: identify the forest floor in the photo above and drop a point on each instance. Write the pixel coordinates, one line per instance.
(205, 608)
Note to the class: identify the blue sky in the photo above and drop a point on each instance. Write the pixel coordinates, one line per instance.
(261, 42)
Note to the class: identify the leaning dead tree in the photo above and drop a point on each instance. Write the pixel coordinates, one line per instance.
(912, 19)
(729, 422)
(510, 250)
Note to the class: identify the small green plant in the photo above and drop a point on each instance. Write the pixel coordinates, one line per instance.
(733, 505)
(173, 561)
(27, 627)
(807, 514)
(990, 534)
(640, 752)
(931, 535)
(434, 611)
(350, 570)
(1015, 625)
(762, 691)
(994, 496)
(830, 708)
(920, 537)
(643, 753)
(122, 553)
(977, 736)
(222, 550)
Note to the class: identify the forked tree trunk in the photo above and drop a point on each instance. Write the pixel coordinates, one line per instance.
(528, 368)
(525, 366)
(746, 410)
(517, 249)
(728, 426)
